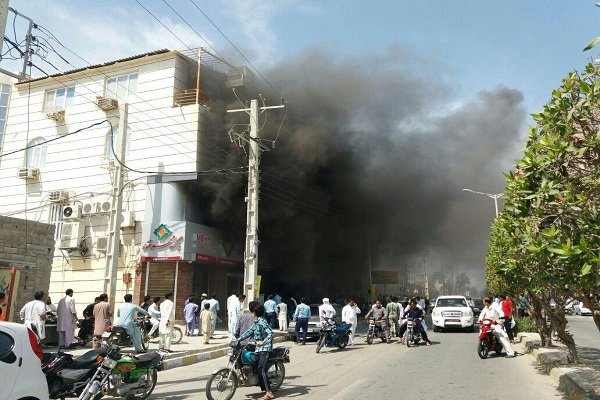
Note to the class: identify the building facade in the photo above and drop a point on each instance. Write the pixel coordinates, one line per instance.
(61, 162)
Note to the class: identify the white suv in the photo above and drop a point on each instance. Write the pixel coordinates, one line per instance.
(21, 375)
(452, 312)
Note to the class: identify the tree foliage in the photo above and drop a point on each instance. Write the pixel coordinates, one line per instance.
(547, 238)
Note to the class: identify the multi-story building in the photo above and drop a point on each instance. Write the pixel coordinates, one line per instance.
(61, 160)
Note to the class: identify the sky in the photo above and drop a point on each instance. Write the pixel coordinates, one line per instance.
(462, 75)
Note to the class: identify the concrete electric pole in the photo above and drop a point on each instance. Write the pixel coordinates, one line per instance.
(252, 242)
(116, 214)
(26, 55)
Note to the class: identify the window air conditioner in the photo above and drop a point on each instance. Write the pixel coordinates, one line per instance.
(72, 235)
(55, 113)
(90, 208)
(102, 244)
(28, 173)
(127, 220)
(58, 196)
(72, 212)
(106, 103)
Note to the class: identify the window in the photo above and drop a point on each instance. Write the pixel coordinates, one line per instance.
(59, 98)
(114, 138)
(4, 97)
(35, 157)
(7, 344)
(121, 87)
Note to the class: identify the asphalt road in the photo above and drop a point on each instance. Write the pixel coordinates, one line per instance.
(450, 369)
(587, 339)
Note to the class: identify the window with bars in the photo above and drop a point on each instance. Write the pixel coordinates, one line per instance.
(56, 218)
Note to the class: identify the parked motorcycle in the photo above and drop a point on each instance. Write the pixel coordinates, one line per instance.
(487, 340)
(177, 333)
(242, 371)
(412, 336)
(129, 376)
(376, 329)
(67, 376)
(334, 335)
(118, 336)
(86, 330)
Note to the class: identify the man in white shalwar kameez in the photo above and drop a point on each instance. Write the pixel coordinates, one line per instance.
(167, 321)
(350, 314)
(233, 307)
(326, 310)
(66, 319)
(33, 315)
(491, 312)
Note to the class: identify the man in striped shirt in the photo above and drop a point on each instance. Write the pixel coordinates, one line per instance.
(301, 317)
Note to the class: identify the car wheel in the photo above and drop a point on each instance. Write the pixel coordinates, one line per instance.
(436, 328)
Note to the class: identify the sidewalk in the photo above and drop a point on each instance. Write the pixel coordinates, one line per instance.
(577, 381)
(189, 351)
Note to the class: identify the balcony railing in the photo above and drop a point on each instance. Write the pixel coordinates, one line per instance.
(189, 96)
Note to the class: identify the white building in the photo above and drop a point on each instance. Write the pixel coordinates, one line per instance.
(66, 176)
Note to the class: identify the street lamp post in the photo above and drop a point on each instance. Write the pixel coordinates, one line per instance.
(490, 195)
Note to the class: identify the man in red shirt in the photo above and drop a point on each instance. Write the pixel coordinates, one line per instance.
(507, 309)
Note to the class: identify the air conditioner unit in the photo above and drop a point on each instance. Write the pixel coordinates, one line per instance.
(55, 113)
(58, 196)
(108, 163)
(72, 212)
(105, 207)
(90, 208)
(28, 173)
(106, 103)
(71, 235)
(127, 220)
(102, 244)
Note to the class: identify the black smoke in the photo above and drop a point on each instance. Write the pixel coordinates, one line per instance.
(369, 167)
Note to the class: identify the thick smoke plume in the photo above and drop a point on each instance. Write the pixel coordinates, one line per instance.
(368, 169)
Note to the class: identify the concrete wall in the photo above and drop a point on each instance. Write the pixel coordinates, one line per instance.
(28, 246)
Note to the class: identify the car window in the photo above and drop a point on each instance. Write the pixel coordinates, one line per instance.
(7, 343)
(456, 302)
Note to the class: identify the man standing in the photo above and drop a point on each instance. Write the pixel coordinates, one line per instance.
(102, 315)
(189, 313)
(33, 315)
(271, 311)
(246, 321)
(350, 314)
(67, 319)
(522, 305)
(214, 310)
(393, 314)
(507, 310)
(167, 319)
(203, 300)
(277, 298)
(301, 316)
(282, 315)
(206, 318)
(127, 314)
(233, 306)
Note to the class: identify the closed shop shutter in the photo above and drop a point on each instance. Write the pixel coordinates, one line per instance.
(161, 278)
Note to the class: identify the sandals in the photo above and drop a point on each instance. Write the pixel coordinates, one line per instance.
(266, 397)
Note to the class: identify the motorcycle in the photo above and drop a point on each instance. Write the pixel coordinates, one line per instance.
(67, 376)
(377, 329)
(176, 337)
(118, 336)
(412, 336)
(242, 371)
(86, 330)
(333, 334)
(124, 375)
(487, 341)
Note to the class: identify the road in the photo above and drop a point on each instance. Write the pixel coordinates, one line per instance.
(450, 369)
(587, 339)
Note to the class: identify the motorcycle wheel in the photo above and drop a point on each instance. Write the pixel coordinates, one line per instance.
(370, 338)
(177, 335)
(219, 387)
(276, 374)
(145, 340)
(320, 343)
(343, 343)
(408, 339)
(152, 377)
(483, 349)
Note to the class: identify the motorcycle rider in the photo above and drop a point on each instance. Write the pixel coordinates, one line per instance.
(416, 313)
(126, 314)
(379, 314)
(326, 311)
(490, 311)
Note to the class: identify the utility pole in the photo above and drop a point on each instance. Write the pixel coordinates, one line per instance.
(3, 18)
(4, 8)
(426, 279)
(252, 242)
(113, 252)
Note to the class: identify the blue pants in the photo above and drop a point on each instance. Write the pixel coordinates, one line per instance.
(301, 323)
(190, 326)
(263, 378)
(272, 319)
(135, 335)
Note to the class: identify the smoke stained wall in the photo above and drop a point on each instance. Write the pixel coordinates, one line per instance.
(373, 156)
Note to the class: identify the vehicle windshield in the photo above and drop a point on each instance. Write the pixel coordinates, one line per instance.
(452, 302)
(478, 303)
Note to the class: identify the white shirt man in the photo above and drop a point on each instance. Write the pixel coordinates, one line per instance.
(66, 319)
(154, 316)
(350, 314)
(491, 312)
(233, 307)
(214, 309)
(33, 315)
(167, 319)
(326, 310)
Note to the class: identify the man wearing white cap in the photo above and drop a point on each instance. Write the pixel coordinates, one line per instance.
(326, 310)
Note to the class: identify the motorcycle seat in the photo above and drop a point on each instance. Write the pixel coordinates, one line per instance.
(147, 360)
(118, 329)
(87, 360)
(73, 375)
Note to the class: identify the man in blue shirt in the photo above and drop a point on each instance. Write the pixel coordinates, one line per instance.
(127, 314)
(301, 316)
(271, 311)
(415, 313)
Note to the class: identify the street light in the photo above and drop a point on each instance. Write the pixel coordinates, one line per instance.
(490, 195)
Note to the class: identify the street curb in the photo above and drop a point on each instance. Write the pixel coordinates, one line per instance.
(577, 382)
(208, 354)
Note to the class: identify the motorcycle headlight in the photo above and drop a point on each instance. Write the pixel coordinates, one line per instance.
(109, 363)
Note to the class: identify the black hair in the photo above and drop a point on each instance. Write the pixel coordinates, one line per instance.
(69, 292)
(156, 299)
(38, 295)
(252, 304)
(303, 300)
(97, 299)
(103, 297)
(146, 298)
(192, 300)
(270, 297)
(168, 295)
(206, 306)
(128, 297)
(259, 310)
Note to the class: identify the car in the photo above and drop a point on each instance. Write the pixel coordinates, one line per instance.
(452, 312)
(477, 307)
(314, 323)
(20, 363)
(580, 309)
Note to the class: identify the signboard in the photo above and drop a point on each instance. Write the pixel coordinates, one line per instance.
(385, 277)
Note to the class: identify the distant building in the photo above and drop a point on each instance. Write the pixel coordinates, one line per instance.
(175, 112)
